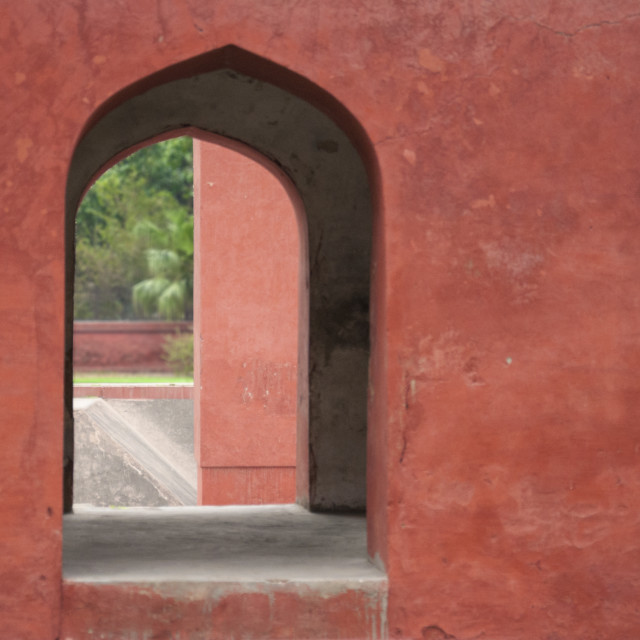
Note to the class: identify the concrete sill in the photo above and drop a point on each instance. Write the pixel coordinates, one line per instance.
(217, 545)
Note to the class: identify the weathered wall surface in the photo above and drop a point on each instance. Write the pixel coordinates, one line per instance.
(246, 319)
(219, 612)
(503, 433)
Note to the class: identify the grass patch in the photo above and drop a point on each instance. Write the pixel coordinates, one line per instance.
(98, 377)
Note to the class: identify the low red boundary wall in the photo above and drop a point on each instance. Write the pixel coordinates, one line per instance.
(123, 346)
(150, 391)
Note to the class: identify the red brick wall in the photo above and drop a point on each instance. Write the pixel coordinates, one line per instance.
(123, 346)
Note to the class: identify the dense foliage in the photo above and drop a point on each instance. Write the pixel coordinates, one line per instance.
(178, 354)
(134, 237)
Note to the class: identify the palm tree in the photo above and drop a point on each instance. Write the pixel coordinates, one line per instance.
(168, 292)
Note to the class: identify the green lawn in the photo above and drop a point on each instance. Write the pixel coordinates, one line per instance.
(128, 378)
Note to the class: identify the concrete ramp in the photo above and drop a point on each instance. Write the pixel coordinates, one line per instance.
(167, 425)
(118, 463)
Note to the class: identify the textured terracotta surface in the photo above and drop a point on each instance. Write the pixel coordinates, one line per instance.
(258, 484)
(504, 396)
(247, 330)
(220, 612)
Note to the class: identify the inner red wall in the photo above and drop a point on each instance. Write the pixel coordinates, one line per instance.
(246, 323)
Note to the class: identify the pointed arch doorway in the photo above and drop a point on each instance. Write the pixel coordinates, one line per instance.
(282, 120)
(120, 569)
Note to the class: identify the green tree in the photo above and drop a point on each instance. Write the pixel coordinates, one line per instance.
(149, 189)
(168, 292)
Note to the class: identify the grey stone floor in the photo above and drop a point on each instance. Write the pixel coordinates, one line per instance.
(215, 544)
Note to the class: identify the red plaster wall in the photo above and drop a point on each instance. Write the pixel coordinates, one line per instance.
(246, 323)
(220, 613)
(504, 394)
(123, 346)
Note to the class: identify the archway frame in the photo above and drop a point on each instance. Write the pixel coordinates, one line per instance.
(278, 118)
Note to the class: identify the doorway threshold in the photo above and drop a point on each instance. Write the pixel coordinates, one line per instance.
(274, 571)
(214, 544)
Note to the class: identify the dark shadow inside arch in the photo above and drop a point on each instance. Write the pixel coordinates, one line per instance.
(326, 155)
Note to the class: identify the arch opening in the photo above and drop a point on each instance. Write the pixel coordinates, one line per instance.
(270, 113)
(246, 241)
(133, 442)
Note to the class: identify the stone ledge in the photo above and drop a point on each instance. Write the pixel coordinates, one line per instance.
(239, 544)
(219, 573)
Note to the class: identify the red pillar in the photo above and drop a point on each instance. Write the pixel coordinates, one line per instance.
(245, 328)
